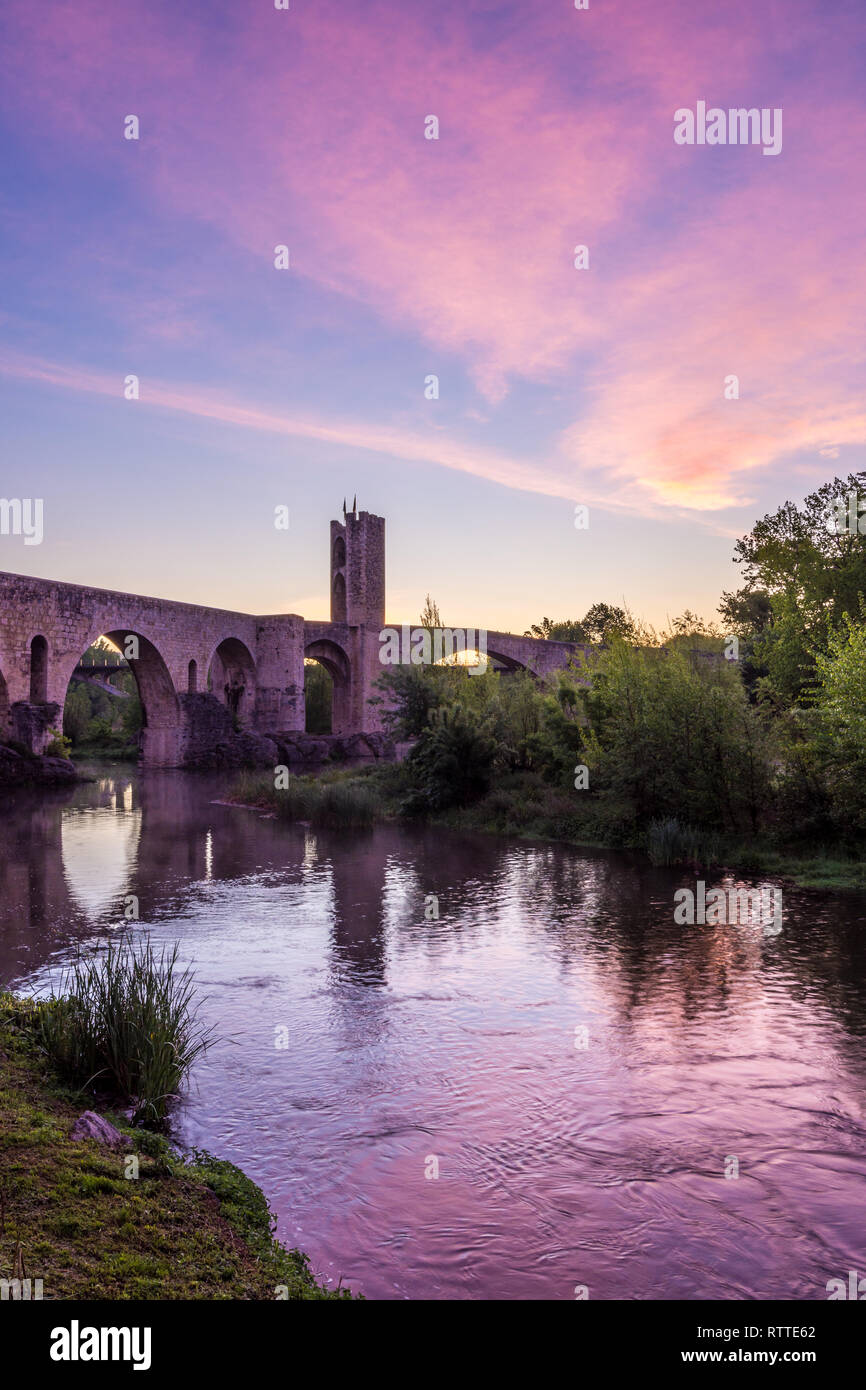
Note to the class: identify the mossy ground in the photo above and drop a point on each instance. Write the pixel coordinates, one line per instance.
(196, 1229)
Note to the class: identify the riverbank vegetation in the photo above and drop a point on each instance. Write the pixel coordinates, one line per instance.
(738, 743)
(125, 1023)
(136, 1219)
(333, 801)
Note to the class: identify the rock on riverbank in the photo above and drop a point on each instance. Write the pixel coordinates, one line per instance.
(18, 768)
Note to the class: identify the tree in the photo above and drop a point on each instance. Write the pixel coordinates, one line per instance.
(746, 612)
(318, 697)
(603, 620)
(671, 735)
(598, 624)
(453, 761)
(566, 631)
(841, 722)
(811, 563)
(746, 615)
(132, 716)
(76, 713)
(689, 624)
(430, 616)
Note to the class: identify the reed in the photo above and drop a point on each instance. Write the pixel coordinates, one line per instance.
(670, 841)
(125, 1023)
(332, 804)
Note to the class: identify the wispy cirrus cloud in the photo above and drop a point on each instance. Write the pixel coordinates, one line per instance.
(704, 262)
(404, 444)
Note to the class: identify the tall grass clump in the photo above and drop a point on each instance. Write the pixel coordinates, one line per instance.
(345, 803)
(670, 841)
(332, 804)
(126, 1024)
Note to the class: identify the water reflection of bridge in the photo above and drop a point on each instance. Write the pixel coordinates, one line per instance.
(71, 859)
(72, 862)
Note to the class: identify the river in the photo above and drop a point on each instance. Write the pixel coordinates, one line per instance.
(535, 1093)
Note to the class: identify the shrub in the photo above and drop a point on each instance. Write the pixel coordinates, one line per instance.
(672, 734)
(59, 746)
(454, 758)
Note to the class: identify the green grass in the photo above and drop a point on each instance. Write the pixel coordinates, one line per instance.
(826, 869)
(124, 1022)
(187, 1227)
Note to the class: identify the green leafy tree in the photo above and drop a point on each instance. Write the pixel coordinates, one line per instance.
(603, 621)
(598, 624)
(407, 695)
(132, 717)
(813, 569)
(557, 746)
(840, 725)
(566, 631)
(671, 733)
(747, 612)
(76, 714)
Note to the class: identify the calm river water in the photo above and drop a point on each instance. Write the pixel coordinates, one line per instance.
(455, 1045)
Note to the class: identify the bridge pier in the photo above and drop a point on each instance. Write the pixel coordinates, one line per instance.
(161, 747)
(30, 724)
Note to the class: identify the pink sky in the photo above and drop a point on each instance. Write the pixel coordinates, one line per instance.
(556, 128)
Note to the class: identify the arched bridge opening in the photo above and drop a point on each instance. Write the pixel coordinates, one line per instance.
(504, 664)
(120, 696)
(333, 660)
(102, 709)
(232, 679)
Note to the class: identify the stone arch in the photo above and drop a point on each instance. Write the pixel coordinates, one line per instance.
(192, 678)
(232, 679)
(160, 738)
(339, 553)
(335, 661)
(160, 735)
(501, 662)
(338, 599)
(39, 670)
(318, 698)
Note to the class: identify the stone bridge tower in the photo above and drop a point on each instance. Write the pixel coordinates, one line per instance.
(348, 645)
(358, 569)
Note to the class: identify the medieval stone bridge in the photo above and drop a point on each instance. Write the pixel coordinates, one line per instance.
(203, 673)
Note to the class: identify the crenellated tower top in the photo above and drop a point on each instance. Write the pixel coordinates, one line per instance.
(358, 568)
